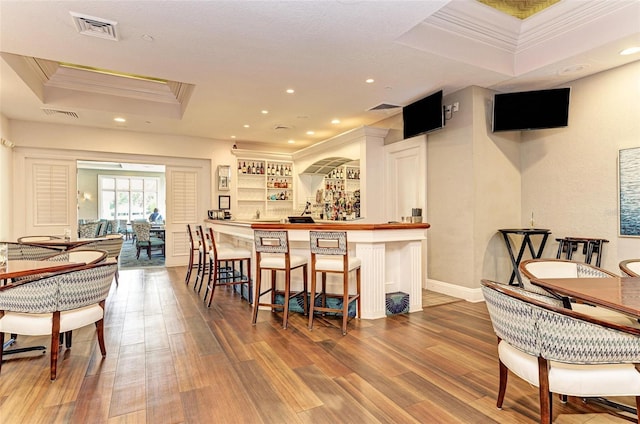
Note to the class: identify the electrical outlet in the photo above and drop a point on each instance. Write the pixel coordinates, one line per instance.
(456, 106)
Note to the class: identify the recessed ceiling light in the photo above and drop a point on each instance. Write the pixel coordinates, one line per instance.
(290, 90)
(369, 81)
(233, 136)
(310, 133)
(335, 121)
(264, 112)
(630, 50)
(119, 119)
(246, 125)
(291, 141)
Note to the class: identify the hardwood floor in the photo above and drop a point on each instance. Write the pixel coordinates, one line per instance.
(172, 360)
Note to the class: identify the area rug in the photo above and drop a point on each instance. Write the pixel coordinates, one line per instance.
(128, 257)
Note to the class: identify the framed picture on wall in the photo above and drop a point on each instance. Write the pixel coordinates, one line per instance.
(224, 177)
(629, 192)
(224, 202)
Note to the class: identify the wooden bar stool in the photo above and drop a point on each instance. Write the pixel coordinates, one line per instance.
(194, 249)
(334, 258)
(224, 274)
(202, 258)
(272, 254)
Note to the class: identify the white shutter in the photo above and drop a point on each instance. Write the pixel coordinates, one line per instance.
(50, 194)
(184, 196)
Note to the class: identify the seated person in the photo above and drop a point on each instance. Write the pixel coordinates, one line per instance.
(155, 216)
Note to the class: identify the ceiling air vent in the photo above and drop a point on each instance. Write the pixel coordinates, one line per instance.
(95, 27)
(384, 106)
(60, 112)
(282, 127)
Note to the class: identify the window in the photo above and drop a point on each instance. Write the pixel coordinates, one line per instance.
(130, 198)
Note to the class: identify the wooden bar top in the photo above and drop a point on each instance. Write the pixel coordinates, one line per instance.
(323, 226)
(338, 226)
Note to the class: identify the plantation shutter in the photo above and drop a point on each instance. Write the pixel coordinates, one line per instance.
(184, 196)
(50, 194)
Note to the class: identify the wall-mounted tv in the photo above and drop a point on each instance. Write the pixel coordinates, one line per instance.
(531, 110)
(423, 116)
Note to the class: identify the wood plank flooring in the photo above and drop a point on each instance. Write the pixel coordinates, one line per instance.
(172, 360)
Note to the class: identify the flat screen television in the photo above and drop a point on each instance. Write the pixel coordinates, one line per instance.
(423, 116)
(531, 110)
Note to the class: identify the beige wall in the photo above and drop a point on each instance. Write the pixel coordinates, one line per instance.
(569, 176)
(6, 192)
(473, 188)
(479, 182)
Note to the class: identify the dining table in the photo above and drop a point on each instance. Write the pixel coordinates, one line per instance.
(621, 294)
(24, 268)
(65, 243)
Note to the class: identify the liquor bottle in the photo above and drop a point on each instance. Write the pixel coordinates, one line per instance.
(253, 168)
(244, 167)
(239, 167)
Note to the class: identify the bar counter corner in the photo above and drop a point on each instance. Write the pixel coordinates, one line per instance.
(391, 253)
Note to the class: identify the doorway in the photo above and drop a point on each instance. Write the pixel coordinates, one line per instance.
(122, 193)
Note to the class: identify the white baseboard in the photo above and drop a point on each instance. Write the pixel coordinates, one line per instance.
(466, 293)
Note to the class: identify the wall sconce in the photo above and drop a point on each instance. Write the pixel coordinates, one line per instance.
(86, 196)
(7, 143)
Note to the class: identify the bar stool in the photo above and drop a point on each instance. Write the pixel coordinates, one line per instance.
(590, 247)
(226, 275)
(327, 244)
(194, 249)
(272, 254)
(203, 254)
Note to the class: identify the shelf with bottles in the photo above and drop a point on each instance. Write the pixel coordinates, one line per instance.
(342, 206)
(279, 182)
(279, 169)
(279, 195)
(251, 167)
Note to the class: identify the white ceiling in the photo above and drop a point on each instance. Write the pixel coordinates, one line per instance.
(240, 56)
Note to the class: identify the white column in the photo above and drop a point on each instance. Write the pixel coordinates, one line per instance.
(372, 297)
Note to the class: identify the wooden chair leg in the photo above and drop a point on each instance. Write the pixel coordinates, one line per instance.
(504, 374)
(212, 281)
(55, 344)
(1, 348)
(312, 301)
(545, 396)
(189, 268)
(256, 297)
(100, 334)
(287, 290)
(345, 301)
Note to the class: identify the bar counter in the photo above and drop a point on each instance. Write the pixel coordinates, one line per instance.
(392, 255)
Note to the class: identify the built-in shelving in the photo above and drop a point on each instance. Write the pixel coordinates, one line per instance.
(265, 188)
